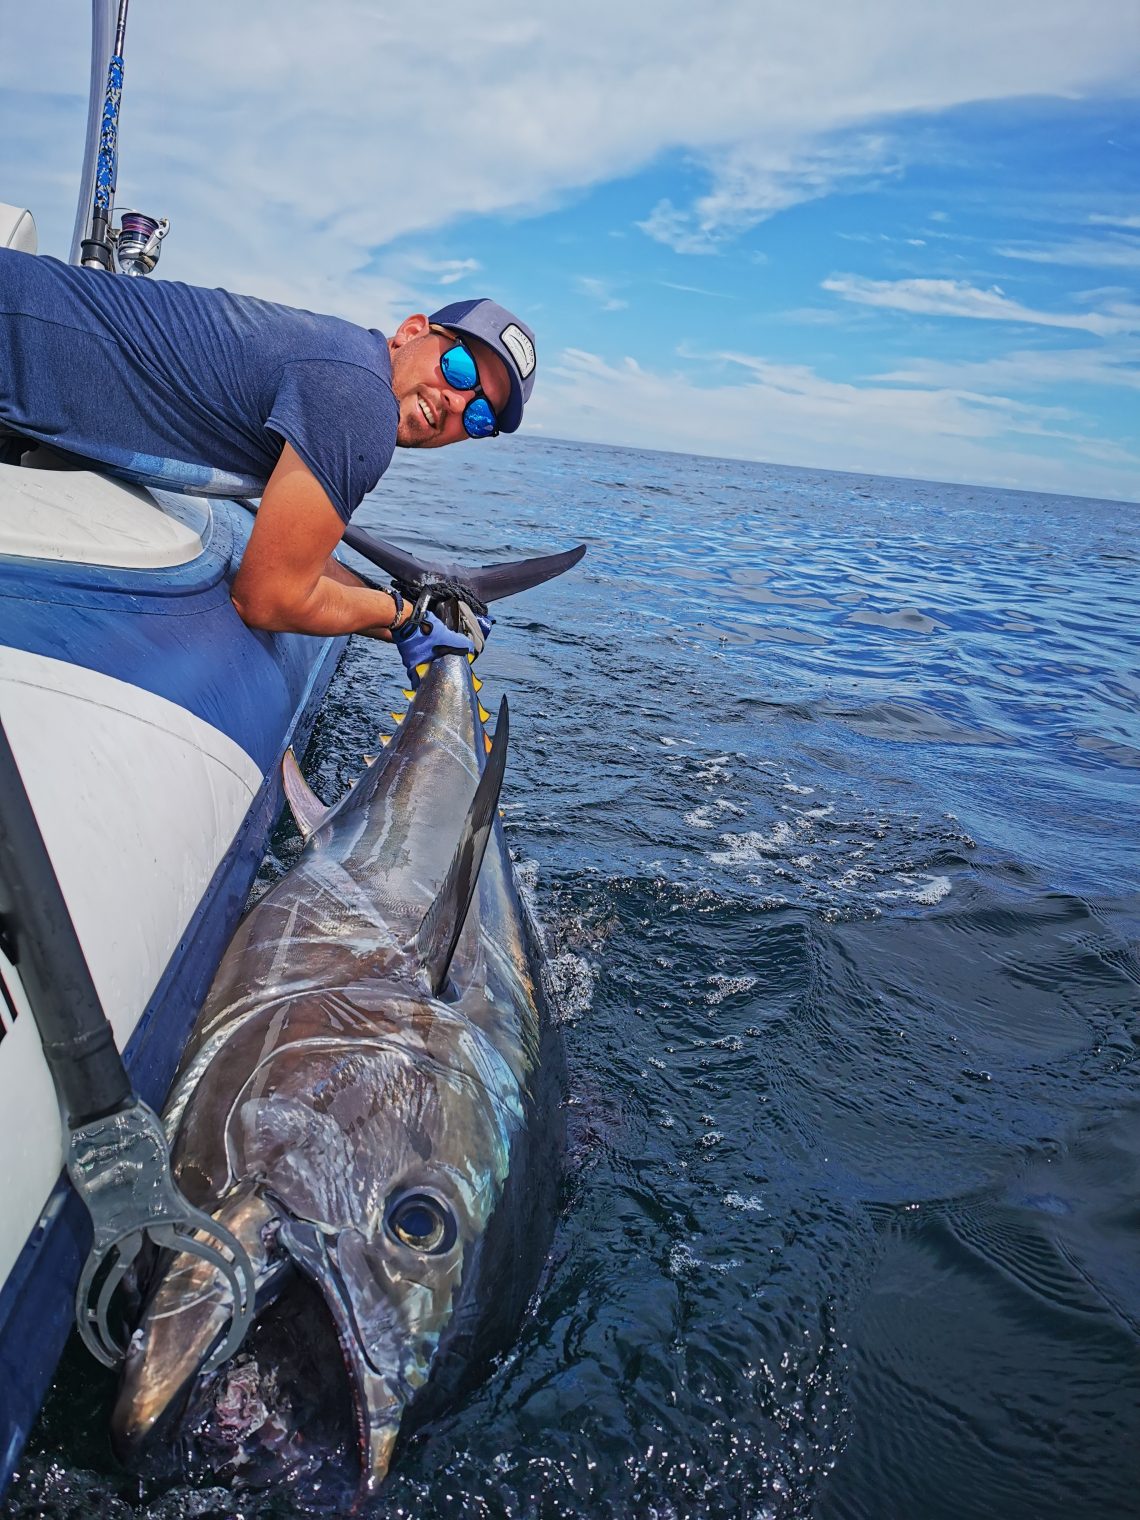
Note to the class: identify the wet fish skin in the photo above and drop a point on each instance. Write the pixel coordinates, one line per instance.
(325, 1082)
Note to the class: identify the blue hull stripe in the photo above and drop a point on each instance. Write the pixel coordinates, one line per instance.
(172, 631)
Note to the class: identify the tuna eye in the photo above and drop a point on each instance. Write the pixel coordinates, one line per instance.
(422, 1223)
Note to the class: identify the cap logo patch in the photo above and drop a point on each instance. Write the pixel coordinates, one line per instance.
(520, 347)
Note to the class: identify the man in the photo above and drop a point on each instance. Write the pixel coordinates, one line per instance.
(197, 389)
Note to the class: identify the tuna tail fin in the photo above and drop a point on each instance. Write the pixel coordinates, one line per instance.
(438, 935)
(490, 583)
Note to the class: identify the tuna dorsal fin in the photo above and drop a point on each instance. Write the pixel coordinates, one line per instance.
(438, 935)
(307, 808)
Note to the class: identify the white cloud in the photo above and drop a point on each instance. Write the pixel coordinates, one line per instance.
(600, 292)
(666, 224)
(448, 271)
(789, 414)
(1089, 253)
(754, 181)
(698, 290)
(956, 298)
(1029, 369)
(1101, 220)
(1101, 293)
(965, 413)
(315, 139)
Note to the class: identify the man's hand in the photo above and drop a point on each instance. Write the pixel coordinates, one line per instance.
(287, 581)
(423, 638)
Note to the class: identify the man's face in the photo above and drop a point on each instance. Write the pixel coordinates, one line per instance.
(431, 411)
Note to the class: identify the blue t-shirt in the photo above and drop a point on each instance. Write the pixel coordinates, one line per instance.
(187, 388)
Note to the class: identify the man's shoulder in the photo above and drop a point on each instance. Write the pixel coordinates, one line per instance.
(338, 411)
(346, 380)
(276, 333)
(303, 335)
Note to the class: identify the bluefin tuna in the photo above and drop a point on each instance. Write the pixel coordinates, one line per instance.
(371, 1102)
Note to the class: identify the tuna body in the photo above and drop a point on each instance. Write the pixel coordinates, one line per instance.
(385, 1142)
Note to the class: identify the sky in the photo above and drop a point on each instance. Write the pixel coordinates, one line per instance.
(900, 238)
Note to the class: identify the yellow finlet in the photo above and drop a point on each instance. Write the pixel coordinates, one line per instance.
(475, 681)
(409, 694)
(371, 759)
(385, 739)
(423, 668)
(471, 657)
(399, 717)
(483, 713)
(487, 743)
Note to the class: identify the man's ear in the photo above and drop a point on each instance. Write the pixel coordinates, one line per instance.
(411, 327)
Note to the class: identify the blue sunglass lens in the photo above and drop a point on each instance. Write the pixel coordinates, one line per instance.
(459, 369)
(479, 419)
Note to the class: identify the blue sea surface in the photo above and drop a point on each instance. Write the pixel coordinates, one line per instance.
(824, 789)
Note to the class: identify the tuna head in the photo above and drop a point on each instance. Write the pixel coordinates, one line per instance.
(369, 1171)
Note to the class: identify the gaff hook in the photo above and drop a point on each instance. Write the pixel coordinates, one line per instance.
(116, 1154)
(120, 1167)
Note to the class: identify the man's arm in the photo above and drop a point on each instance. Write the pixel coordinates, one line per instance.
(286, 582)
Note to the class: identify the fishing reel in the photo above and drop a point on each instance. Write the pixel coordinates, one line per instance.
(138, 240)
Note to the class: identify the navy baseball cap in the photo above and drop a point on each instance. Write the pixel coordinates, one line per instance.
(511, 339)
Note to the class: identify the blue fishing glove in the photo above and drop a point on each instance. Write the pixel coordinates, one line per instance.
(421, 639)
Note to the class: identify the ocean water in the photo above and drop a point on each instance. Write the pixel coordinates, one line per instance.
(824, 789)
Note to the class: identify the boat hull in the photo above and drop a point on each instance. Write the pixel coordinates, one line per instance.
(149, 724)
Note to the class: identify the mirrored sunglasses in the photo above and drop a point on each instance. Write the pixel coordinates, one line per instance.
(461, 372)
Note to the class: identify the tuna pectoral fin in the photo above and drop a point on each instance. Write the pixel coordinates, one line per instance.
(307, 808)
(438, 935)
(186, 1316)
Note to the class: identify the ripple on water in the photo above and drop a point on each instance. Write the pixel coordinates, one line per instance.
(709, 814)
(570, 982)
(913, 723)
(908, 618)
(859, 863)
(722, 986)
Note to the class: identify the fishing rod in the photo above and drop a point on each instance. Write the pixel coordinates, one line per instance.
(96, 242)
(96, 251)
(116, 1152)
